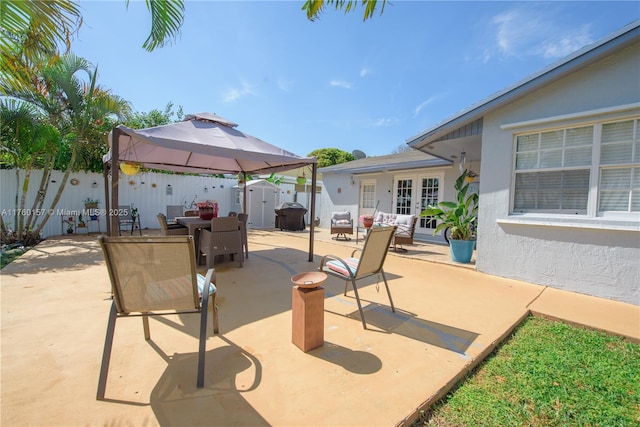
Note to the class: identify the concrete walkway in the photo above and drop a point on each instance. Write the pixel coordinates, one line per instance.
(55, 301)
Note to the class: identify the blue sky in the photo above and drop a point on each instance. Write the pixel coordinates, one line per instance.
(337, 82)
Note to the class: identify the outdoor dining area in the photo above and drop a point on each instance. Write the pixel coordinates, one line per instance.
(213, 236)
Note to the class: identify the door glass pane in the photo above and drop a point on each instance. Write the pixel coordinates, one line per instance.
(429, 196)
(404, 196)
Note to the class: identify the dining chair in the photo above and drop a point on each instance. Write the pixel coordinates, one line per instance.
(223, 238)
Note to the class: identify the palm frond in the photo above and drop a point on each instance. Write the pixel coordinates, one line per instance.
(167, 17)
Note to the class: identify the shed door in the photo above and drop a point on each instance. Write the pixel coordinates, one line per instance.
(269, 203)
(254, 201)
(262, 203)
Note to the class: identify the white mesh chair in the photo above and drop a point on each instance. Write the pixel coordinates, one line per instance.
(155, 275)
(369, 263)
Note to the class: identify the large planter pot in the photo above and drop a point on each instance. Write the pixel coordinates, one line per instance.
(461, 250)
(205, 213)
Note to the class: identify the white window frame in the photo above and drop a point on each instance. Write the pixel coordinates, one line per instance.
(592, 218)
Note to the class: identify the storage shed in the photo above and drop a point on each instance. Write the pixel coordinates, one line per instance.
(262, 199)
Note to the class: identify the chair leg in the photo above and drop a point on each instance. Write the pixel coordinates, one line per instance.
(145, 326)
(106, 353)
(386, 285)
(355, 290)
(214, 312)
(204, 310)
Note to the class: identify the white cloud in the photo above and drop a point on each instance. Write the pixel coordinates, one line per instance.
(422, 105)
(340, 83)
(527, 31)
(365, 72)
(383, 122)
(285, 85)
(233, 94)
(568, 43)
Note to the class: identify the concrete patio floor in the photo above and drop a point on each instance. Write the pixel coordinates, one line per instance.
(55, 301)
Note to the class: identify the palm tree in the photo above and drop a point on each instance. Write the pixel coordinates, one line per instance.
(27, 143)
(315, 7)
(67, 93)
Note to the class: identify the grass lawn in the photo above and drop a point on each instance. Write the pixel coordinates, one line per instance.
(11, 254)
(548, 374)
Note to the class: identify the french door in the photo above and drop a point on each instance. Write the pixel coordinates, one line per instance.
(413, 193)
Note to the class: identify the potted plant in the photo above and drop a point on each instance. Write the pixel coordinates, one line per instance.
(471, 176)
(81, 222)
(366, 220)
(70, 223)
(90, 203)
(460, 217)
(207, 209)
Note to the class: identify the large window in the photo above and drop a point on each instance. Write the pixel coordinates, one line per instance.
(563, 170)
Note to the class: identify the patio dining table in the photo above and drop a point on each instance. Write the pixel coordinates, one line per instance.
(193, 223)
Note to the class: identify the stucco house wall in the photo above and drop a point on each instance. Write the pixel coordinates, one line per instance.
(597, 256)
(350, 185)
(337, 195)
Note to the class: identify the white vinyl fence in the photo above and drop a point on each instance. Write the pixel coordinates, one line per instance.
(149, 192)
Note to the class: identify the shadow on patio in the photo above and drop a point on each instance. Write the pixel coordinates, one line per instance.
(53, 326)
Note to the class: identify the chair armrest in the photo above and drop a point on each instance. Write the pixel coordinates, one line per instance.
(335, 258)
(210, 278)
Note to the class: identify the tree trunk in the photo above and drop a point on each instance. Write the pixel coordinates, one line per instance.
(56, 199)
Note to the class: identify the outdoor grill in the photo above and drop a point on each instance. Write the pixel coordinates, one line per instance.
(290, 216)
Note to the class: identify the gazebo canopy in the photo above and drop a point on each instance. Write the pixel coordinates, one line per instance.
(201, 143)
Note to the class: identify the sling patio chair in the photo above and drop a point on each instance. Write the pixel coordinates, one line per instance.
(369, 263)
(155, 275)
